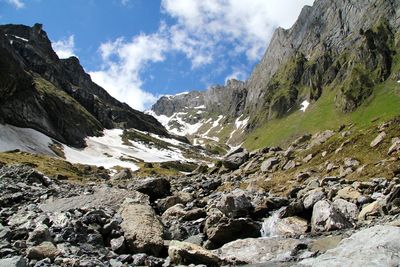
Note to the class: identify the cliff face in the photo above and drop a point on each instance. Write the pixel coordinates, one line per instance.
(323, 34)
(344, 47)
(56, 97)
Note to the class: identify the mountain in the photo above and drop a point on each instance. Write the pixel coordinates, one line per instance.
(55, 96)
(335, 59)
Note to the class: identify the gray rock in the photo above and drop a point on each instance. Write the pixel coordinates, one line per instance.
(220, 229)
(155, 188)
(326, 218)
(313, 197)
(187, 253)
(320, 138)
(234, 161)
(375, 246)
(16, 261)
(142, 229)
(39, 235)
(260, 250)
(268, 164)
(349, 210)
(124, 174)
(395, 147)
(42, 251)
(118, 245)
(235, 204)
(378, 139)
(102, 197)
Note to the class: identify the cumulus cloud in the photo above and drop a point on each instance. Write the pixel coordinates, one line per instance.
(249, 25)
(16, 3)
(65, 48)
(123, 63)
(205, 32)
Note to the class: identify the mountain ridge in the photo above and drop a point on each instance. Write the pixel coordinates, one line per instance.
(36, 85)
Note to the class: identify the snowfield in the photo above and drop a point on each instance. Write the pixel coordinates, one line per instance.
(107, 150)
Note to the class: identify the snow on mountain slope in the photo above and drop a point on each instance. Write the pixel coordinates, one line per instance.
(24, 139)
(110, 150)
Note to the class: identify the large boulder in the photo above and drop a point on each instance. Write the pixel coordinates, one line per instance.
(233, 161)
(187, 253)
(42, 251)
(375, 246)
(143, 231)
(268, 164)
(235, 204)
(101, 198)
(260, 250)
(155, 188)
(326, 218)
(221, 229)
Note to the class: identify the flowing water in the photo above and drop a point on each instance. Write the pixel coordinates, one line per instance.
(268, 228)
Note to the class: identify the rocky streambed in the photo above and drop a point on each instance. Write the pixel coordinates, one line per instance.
(212, 217)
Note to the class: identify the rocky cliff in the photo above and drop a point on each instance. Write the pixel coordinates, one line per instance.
(341, 48)
(55, 96)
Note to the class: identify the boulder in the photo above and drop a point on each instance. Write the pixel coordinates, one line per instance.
(118, 245)
(312, 197)
(187, 253)
(320, 138)
(39, 235)
(233, 161)
(221, 229)
(378, 139)
(348, 193)
(375, 246)
(260, 250)
(291, 226)
(16, 261)
(124, 174)
(142, 230)
(101, 198)
(268, 164)
(348, 209)
(235, 204)
(372, 209)
(155, 188)
(395, 147)
(42, 251)
(326, 218)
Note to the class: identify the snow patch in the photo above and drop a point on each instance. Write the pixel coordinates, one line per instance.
(304, 105)
(24, 139)
(20, 38)
(108, 151)
(200, 107)
(398, 81)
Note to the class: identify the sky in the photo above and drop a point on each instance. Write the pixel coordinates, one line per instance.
(139, 50)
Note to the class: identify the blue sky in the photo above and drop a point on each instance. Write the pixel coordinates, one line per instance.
(139, 50)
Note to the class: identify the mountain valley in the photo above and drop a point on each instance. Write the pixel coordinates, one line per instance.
(297, 166)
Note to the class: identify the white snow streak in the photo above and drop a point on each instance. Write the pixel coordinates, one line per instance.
(304, 105)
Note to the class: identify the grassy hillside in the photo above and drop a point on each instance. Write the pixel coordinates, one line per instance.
(382, 105)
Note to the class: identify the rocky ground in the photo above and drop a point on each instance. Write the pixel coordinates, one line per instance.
(318, 202)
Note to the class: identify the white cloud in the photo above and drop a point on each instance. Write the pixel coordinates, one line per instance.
(64, 48)
(123, 63)
(206, 32)
(125, 2)
(247, 24)
(237, 74)
(17, 3)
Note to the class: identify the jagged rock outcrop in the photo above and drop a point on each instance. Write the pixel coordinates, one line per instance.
(55, 96)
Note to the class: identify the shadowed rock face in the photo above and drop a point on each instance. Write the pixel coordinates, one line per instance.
(56, 96)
